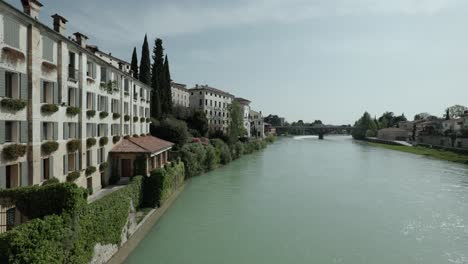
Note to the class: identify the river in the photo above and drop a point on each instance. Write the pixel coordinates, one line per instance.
(303, 200)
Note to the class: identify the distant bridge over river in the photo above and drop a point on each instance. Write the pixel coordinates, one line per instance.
(320, 130)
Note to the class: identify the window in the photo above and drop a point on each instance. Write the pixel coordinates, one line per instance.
(73, 130)
(102, 130)
(89, 158)
(103, 74)
(11, 32)
(12, 176)
(48, 130)
(126, 86)
(115, 106)
(142, 111)
(115, 129)
(135, 112)
(12, 85)
(101, 156)
(90, 130)
(126, 130)
(90, 101)
(72, 72)
(73, 97)
(47, 49)
(102, 103)
(72, 166)
(206, 101)
(47, 92)
(126, 108)
(46, 170)
(91, 70)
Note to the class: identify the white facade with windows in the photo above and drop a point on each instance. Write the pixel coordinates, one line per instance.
(245, 108)
(180, 94)
(256, 124)
(66, 74)
(215, 103)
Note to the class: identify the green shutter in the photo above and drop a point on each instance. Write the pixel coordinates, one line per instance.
(2, 131)
(55, 125)
(24, 174)
(2, 82)
(24, 131)
(65, 164)
(24, 86)
(2, 177)
(65, 130)
(51, 167)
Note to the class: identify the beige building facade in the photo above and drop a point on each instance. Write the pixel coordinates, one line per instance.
(180, 95)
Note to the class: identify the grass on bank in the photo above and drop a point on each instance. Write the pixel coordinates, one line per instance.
(429, 152)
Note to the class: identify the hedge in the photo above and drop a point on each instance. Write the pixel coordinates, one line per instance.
(126, 117)
(115, 115)
(73, 145)
(49, 147)
(103, 141)
(14, 151)
(91, 113)
(135, 119)
(103, 166)
(103, 114)
(162, 183)
(13, 104)
(142, 119)
(90, 170)
(73, 176)
(49, 108)
(115, 139)
(90, 142)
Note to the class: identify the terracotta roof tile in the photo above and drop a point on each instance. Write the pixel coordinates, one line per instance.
(148, 144)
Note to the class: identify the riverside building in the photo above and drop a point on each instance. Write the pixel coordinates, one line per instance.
(180, 95)
(59, 91)
(215, 103)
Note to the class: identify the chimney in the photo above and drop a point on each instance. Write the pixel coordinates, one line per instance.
(81, 39)
(32, 8)
(59, 23)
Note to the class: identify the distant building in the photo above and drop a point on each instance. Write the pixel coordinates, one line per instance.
(257, 126)
(180, 94)
(393, 133)
(245, 107)
(214, 102)
(269, 129)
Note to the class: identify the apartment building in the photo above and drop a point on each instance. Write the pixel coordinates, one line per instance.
(214, 102)
(180, 94)
(57, 90)
(245, 108)
(257, 125)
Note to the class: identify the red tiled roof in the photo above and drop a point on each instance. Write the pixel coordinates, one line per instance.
(148, 144)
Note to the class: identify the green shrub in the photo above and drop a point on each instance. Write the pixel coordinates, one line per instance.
(13, 104)
(49, 108)
(211, 158)
(135, 119)
(135, 136)
(222, 150)
(90, 142)
(142, 119)
(90, 170)
(73, 145)
(193, 155)
(91, 113)
(52, 180)
(148, 120)
(270, 139)
(73, 111)
(162, 183)
(237, 150)
(14, 151)
(103, 166)
(73, 176)
(103, 114)
(115, 139)
(115, 115)
(126, 117)
(142, 135)
(103, 141)
(127, 137)
(49, 147)
(172, 130)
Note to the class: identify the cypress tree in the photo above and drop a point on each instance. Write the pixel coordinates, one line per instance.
(167, 100)
(156, 76)
(145, 64)
(134, 66)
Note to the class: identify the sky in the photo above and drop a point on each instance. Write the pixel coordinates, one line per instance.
(300, 59)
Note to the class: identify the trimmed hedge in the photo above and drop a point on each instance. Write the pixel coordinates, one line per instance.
(115, 115)
(90, 142)
(13, 104)
(162, 183)
(148, 120)
(91, 113)
(49, 147)
(103, 166)
(73, 145)
(103, 114)
(103, 141)
(90, 170)
(73, 176)
(115, 139)
(49, 108)
(142, 119)
(135, 119)
(126, 117)
(73, 111)
(14, 151)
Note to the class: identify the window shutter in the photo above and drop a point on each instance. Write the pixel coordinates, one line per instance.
(78, 130)
(11, 33)
(77, 161)
(94, 130)
(51, 167)
(94, 101)
(65, 164)
(42, 131)
(98, 157)
(55, 124)
(42, 170)
(24, 174)
(24, 131)
(2, 131)
(2, 177)
(2, 82)
(42, 91)
(106, 130)
(55, 91)
(65, 130)
(24, 86)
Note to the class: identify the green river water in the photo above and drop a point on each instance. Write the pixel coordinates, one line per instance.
(302, 200)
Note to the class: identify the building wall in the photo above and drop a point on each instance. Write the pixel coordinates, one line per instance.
(38, 70)
(180, 97)
(257, 124)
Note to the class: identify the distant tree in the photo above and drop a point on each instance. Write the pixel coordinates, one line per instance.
(145, 64)
(236, 126)
(456, 111)
(317, 122)
(447, 114)
(274, 120)
(172, 130)
(199, 122)
(421, 116)
(166, 87)
(134, 64)
(156, 79)
(300, 123)
(364, 127)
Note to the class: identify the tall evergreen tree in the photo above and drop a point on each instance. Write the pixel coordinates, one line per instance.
(167, 100)
(134, 66)
(145, 64)
(156, 76)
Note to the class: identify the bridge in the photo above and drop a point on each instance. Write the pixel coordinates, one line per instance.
(320, 130)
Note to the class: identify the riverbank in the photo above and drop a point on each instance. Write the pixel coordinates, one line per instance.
(429, 152)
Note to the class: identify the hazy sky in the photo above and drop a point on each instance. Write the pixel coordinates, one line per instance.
(301, 59)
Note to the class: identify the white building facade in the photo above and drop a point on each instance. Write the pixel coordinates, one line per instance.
(257, 125)
(57, 91)
(215, 103)
(245, 108)
(180, 95)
